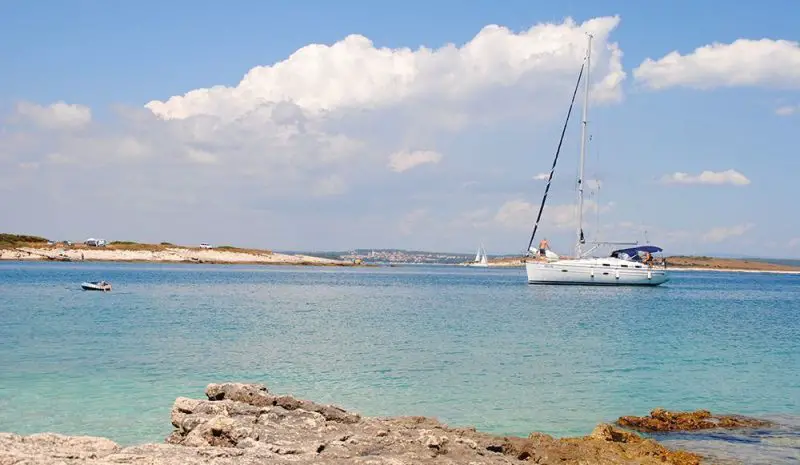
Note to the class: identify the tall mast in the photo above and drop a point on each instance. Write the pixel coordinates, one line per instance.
(581, 239)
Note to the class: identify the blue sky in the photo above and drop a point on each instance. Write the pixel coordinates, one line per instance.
(303, 159)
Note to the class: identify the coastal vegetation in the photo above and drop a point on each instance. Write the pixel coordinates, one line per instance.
(26, 247)
(716, 263)
(20, 240)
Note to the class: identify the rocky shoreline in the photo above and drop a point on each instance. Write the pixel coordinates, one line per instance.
(246, 424)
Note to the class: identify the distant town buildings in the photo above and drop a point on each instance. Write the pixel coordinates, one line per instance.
(403, 256)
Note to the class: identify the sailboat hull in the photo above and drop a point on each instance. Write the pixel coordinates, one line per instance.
(595, 272)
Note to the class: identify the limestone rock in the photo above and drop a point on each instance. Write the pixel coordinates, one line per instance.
(55, 448)
(661, 420)
(245, 424)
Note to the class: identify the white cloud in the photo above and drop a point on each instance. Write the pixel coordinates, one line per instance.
(519, 214)
(320, 123)
(54, 116)
(764, 63)
(405, 160)
(542, 177)
(787, 110)
(335, 108)
(410, 222)
(794, 242)
(515, 213)
(722, 233)
(708, 177)
(201, 156)
(353, 73)
(330, 185)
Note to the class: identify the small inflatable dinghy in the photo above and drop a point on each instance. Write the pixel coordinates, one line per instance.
(96, 286)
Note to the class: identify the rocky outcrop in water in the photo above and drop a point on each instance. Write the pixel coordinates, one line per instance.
(661, 420)
(245, 424)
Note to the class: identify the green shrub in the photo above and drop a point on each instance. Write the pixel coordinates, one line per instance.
(12, 240)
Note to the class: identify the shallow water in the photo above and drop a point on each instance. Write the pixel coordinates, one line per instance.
(470, 346)
(761, 446)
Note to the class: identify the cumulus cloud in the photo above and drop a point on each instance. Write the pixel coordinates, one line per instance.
(519, 214)
(745, 62)
(723, 233)
(405, 160)
(542, 177)
(354, 73)
(312, 129)
(732, 177)
(59, 115)
(787, 110)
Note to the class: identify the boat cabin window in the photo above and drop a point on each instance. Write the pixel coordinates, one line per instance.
(606, 264)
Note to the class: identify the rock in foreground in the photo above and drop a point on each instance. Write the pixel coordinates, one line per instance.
(245, 424)
(661, 420)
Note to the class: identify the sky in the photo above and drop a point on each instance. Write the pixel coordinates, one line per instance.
(319, 125)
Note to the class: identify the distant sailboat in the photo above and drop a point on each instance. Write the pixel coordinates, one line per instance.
(481, 260)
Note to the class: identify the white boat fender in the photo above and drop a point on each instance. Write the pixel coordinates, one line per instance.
(616, 274)
(649, 274)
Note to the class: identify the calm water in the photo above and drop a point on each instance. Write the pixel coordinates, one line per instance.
(470, 346)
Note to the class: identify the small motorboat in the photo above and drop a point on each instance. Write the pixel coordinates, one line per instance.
(96, 286)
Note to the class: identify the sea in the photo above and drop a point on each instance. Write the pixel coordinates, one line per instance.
(468, 346)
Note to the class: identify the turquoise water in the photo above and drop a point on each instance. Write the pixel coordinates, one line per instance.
(469, 346)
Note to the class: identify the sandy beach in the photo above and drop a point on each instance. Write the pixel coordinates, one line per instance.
(163, 254)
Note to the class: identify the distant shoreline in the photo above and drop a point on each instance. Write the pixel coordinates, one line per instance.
(15, 247)
(734, 270)
(686, 263)
(146, 253)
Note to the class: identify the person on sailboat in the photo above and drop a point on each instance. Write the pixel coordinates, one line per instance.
(543, 247)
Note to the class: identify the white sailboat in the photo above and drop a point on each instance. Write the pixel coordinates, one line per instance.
(481, 259)
(628, 266)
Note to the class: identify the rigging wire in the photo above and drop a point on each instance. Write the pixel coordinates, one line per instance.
(555, 160)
